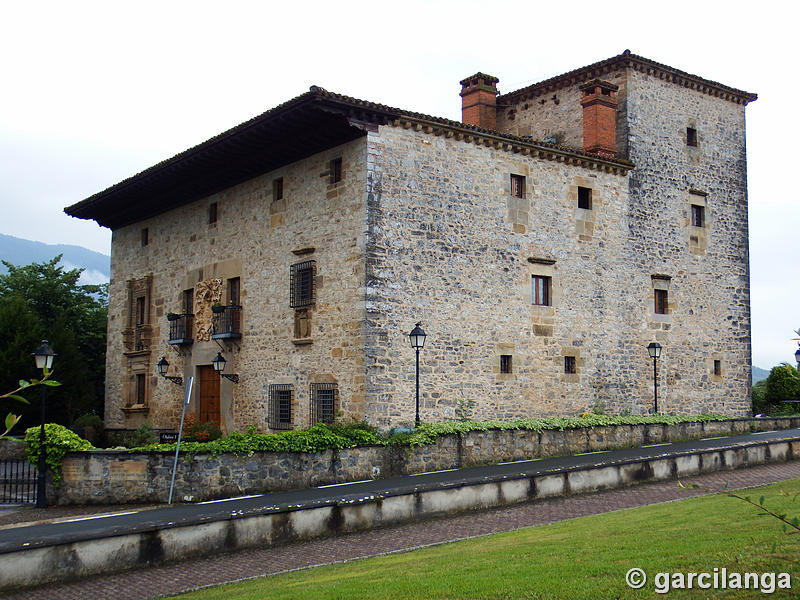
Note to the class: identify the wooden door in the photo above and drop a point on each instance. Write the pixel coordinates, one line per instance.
(209, 395)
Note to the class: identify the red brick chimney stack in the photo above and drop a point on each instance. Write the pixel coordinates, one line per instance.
(479, 101)
(599, 118)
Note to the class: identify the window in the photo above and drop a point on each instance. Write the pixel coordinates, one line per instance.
(145, 237)
(277, 189)
(569, 365)
(140, 389)
(324, 401)
(234, 296)
(540, 292)
(280, 406)
(691, 136)
(585, 198)
(661, 302)
(718, 368)
(336, 170)
(212, 213)
(505, 363)
(302, 284)
(698, 215)
(518, 186)
(140, 311)
(187, 302)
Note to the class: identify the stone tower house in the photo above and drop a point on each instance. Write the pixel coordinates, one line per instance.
(543, 243)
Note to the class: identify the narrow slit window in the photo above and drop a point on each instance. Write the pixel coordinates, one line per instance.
(691, 136)
(506, 364)
(336, 170)
(569, 365)
(717, 368)
(141, 392)
(698, 216)
(145, 236)
(518, 186)
(277, 188)
(212, 213)
(661, 299)
(585, 198)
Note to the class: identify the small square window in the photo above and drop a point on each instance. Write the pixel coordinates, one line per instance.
(277, 189)
(505, 363)
(661, 299)
(518, 186)
(585, 198)
(540, 290)
(698, 216)
(336, 170)
(718, 368)
(212, 213)
(145, 236)
(570, 365)
(691, 136)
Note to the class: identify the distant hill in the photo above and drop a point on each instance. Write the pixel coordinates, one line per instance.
(759, 374)
(19, 252)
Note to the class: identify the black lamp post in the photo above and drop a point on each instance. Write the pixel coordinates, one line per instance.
(654, 349)
(417, 337)
(219, 363)
(44, 360)
(163, 367)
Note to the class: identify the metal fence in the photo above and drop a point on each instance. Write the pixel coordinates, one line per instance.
(17, 481)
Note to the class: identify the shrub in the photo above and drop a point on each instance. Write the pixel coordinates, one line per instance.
(58, 441)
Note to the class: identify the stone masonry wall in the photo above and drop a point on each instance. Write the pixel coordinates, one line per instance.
(708, 285)
(256, 239)
(118, 477)
(450, 246)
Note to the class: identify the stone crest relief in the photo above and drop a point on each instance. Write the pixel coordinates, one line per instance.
(206, 294)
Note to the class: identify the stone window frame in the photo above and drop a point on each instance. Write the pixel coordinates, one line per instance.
(506, 364)
(503, 349)
(570, 367)
(277, 189)
(660, 298)
(302, 285)
(541, 290)
(585, 197)
(279, 408)
(691, 136)
(324, 402)
(716, 368)
(698, 216)
(213, 213)
(335, 170)
(542, 316)
(145, 236)
(570, 358)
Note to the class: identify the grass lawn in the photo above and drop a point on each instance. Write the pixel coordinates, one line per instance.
(579, 558)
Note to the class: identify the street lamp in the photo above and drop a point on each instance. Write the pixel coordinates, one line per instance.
(417, 337)
(43, 356)
(163, 367)
(219, 363)
(654, 349)
(797, 357)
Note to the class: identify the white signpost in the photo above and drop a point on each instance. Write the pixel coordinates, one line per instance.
(186, 399)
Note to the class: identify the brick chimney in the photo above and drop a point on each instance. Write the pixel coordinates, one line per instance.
(479, 101)
(599, 118)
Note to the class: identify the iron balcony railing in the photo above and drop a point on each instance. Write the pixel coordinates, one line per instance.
(181, 329)
(227, 322)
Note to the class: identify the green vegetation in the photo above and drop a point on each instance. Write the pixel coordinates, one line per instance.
(770, 395)
(11, 419)
(43, 301)
(322, 437)
(580, 558)
(58, 440)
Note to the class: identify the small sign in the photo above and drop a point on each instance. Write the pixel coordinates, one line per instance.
(168, 437)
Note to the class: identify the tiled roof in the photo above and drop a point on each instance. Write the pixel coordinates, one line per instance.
(639, 63)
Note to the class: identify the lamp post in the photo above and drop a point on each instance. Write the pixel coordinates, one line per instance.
(219, 363)
(797, 357)
(417, 337)
(43, 356)
(654, 349)
(163, 367)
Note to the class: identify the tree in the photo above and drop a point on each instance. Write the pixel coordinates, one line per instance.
(44, 301)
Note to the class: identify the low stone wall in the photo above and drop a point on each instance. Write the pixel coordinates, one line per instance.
(119, 477)
(10, 449)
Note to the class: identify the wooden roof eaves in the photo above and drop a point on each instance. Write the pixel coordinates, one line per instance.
(508, 143)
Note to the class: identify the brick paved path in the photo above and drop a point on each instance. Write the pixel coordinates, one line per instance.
(176, 578)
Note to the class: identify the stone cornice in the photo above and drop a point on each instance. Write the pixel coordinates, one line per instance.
(515, 144)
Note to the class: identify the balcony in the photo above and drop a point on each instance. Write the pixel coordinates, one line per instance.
(180, 329)
(227, 322)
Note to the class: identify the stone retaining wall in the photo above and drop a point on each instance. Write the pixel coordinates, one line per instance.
(119, 477)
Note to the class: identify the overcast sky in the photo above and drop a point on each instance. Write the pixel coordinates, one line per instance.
(97, 91)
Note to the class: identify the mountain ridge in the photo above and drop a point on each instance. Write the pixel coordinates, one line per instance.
(20, 252)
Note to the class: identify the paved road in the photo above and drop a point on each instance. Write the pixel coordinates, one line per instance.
(137, 521)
